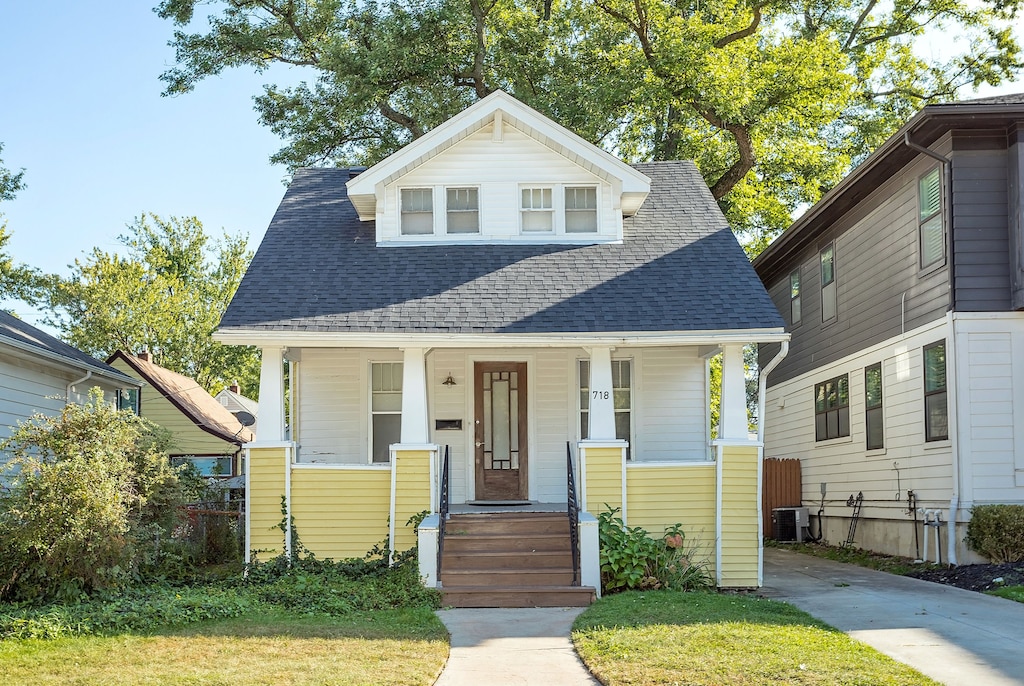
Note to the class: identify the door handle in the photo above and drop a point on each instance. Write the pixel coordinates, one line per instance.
(478, 444)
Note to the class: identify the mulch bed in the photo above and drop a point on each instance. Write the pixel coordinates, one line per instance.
(976, 577)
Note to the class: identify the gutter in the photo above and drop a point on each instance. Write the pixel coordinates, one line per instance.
(947, 199)
(88, 375)
(35, 351)
(762, 387)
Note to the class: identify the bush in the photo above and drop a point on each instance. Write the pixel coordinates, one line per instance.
(91, 506)
(997, 532)
(631, 559)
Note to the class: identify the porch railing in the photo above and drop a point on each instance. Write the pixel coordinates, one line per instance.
(573, 507)
(442, 510)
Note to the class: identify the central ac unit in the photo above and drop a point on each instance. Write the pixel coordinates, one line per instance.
(790, 524)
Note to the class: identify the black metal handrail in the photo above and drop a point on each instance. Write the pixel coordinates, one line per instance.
(442, 511)
(573, 508)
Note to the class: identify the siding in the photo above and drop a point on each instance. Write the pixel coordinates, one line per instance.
(331, 410)
(1015, 182)
(980, 230)
(880, 289)
(266, 476)
(671, 405)
(412, 494)
(740, 543)
(341, 513)
(498, 169)
(602, 469)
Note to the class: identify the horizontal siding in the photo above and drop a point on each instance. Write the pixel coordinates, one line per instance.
(671, 405)
(740, 542)
(341, 513)
(554, 422)
(332, 409)
(412, 494)
(603, 474)
(662, 496)
(266, 487)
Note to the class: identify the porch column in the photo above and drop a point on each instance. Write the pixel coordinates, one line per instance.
(602, 399)
(414, 397)
(733, 410)
(271, 397)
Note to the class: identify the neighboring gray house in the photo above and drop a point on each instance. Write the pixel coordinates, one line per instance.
(232, 399)
(903, 290)
(39, 373)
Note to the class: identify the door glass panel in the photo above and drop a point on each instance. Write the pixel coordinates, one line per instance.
(500, 420)
(487, 422)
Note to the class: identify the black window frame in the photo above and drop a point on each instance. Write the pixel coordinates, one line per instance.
(935, 397)
(929, 219)
(795, 308)
(873, 413)
(130, 399)
(826, 292)
(831, 412)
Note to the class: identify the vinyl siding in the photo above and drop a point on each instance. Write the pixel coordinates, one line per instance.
(412, 494)
(266, 487)
(671, 406)
(341, 513)
(740, 543)
(331, 410)
(602, 469)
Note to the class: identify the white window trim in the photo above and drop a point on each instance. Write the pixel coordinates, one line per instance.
(523, 210)
(558, 208)
(369, 413)
(578, 380)
(479, 211)
(433, 210)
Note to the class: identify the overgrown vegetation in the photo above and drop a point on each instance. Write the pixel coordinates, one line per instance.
(632, 559)
(997, 532)
(715, 639)
(1009, 592)
(892, 564)
(92, 505)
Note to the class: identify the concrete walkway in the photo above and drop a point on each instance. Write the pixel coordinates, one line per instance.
(952, 635)
(512, 647)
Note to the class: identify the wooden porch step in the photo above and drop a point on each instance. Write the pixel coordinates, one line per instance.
(505, 542)
(518, 596)
(504, 559)
(508, 522)
(506, 577)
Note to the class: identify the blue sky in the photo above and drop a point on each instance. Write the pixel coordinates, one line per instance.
(81, 111)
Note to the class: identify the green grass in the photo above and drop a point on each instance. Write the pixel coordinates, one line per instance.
(407, 646)
(863, 558)
(665, 637)
(1010, 592)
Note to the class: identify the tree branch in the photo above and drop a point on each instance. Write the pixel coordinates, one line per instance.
(745, 146)
(742, 33)
(401, 119)
(860, 22)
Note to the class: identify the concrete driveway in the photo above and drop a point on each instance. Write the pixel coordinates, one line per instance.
(952, 635)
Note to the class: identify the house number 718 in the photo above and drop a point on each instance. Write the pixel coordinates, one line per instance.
(602, 395)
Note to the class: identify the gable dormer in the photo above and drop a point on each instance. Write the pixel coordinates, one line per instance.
(498, 171)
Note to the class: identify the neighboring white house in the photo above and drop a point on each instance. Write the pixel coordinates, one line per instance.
(233, 400)
(39, 373)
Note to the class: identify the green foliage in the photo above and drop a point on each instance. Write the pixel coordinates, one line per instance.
(774, 100)
(631, 559)
(1015, 593)
(997, 532)
(10, 182)
(91, 497)
(166, 296)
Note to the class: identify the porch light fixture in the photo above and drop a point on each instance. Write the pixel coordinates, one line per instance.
(449, 381)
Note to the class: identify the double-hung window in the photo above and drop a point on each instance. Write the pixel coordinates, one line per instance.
(936, 421)
(385, 409)
(417, 211)
(874, 423)
(794, 298)
(929, 203)
(128, 399)
(463, 207)
(581, 209)
(828, 283)
(832, 408)
(537, 215)
(622, 393)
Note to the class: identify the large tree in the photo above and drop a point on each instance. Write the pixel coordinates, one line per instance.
(774, 99)
(165, 296)
(10, 182)
(15, 279)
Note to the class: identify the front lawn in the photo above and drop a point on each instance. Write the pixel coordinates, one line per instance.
(406, 646)
(665, 637)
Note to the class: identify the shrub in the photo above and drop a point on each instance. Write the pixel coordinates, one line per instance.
(631, 559)
(997, 532)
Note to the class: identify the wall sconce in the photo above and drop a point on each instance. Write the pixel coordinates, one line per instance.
(449, 381)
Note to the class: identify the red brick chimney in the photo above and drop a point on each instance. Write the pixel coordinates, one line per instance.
(144, 356)
(234, 388)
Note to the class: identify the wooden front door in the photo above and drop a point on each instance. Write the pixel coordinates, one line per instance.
(501, 450)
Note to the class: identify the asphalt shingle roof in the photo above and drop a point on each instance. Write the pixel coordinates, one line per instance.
(679, 268)
(13, 330)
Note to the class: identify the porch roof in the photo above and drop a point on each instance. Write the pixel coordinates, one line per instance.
(678, 269)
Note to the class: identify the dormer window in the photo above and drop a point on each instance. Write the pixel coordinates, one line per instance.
(581, 209)
(463, 206)
(417, 211)
(538, 215)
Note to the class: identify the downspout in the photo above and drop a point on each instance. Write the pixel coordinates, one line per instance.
(88, 375)
(762, 390)
(762, 387)
(947, 197)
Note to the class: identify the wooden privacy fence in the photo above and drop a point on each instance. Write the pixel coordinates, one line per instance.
(780, 487)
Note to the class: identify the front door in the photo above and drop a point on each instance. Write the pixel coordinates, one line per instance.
(501, 452)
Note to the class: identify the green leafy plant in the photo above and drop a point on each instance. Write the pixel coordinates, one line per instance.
(632, 559)
(997, 532)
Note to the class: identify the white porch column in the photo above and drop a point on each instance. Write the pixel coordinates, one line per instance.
(271, 425)
(414, 397)
(733, 411)
(602, 399)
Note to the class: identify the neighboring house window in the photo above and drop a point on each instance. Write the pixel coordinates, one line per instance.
(538, 215)
(204, 465)
(936, 423)
(622, 392)
(794, 298)
(463, 206)
(581, 209)
(873, 421)
(828, 283)
(417, 211)
(128, 399)
(832, 408)
(385, 408)
(929, 201)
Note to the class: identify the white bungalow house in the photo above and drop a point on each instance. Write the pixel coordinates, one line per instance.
(504, 293)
